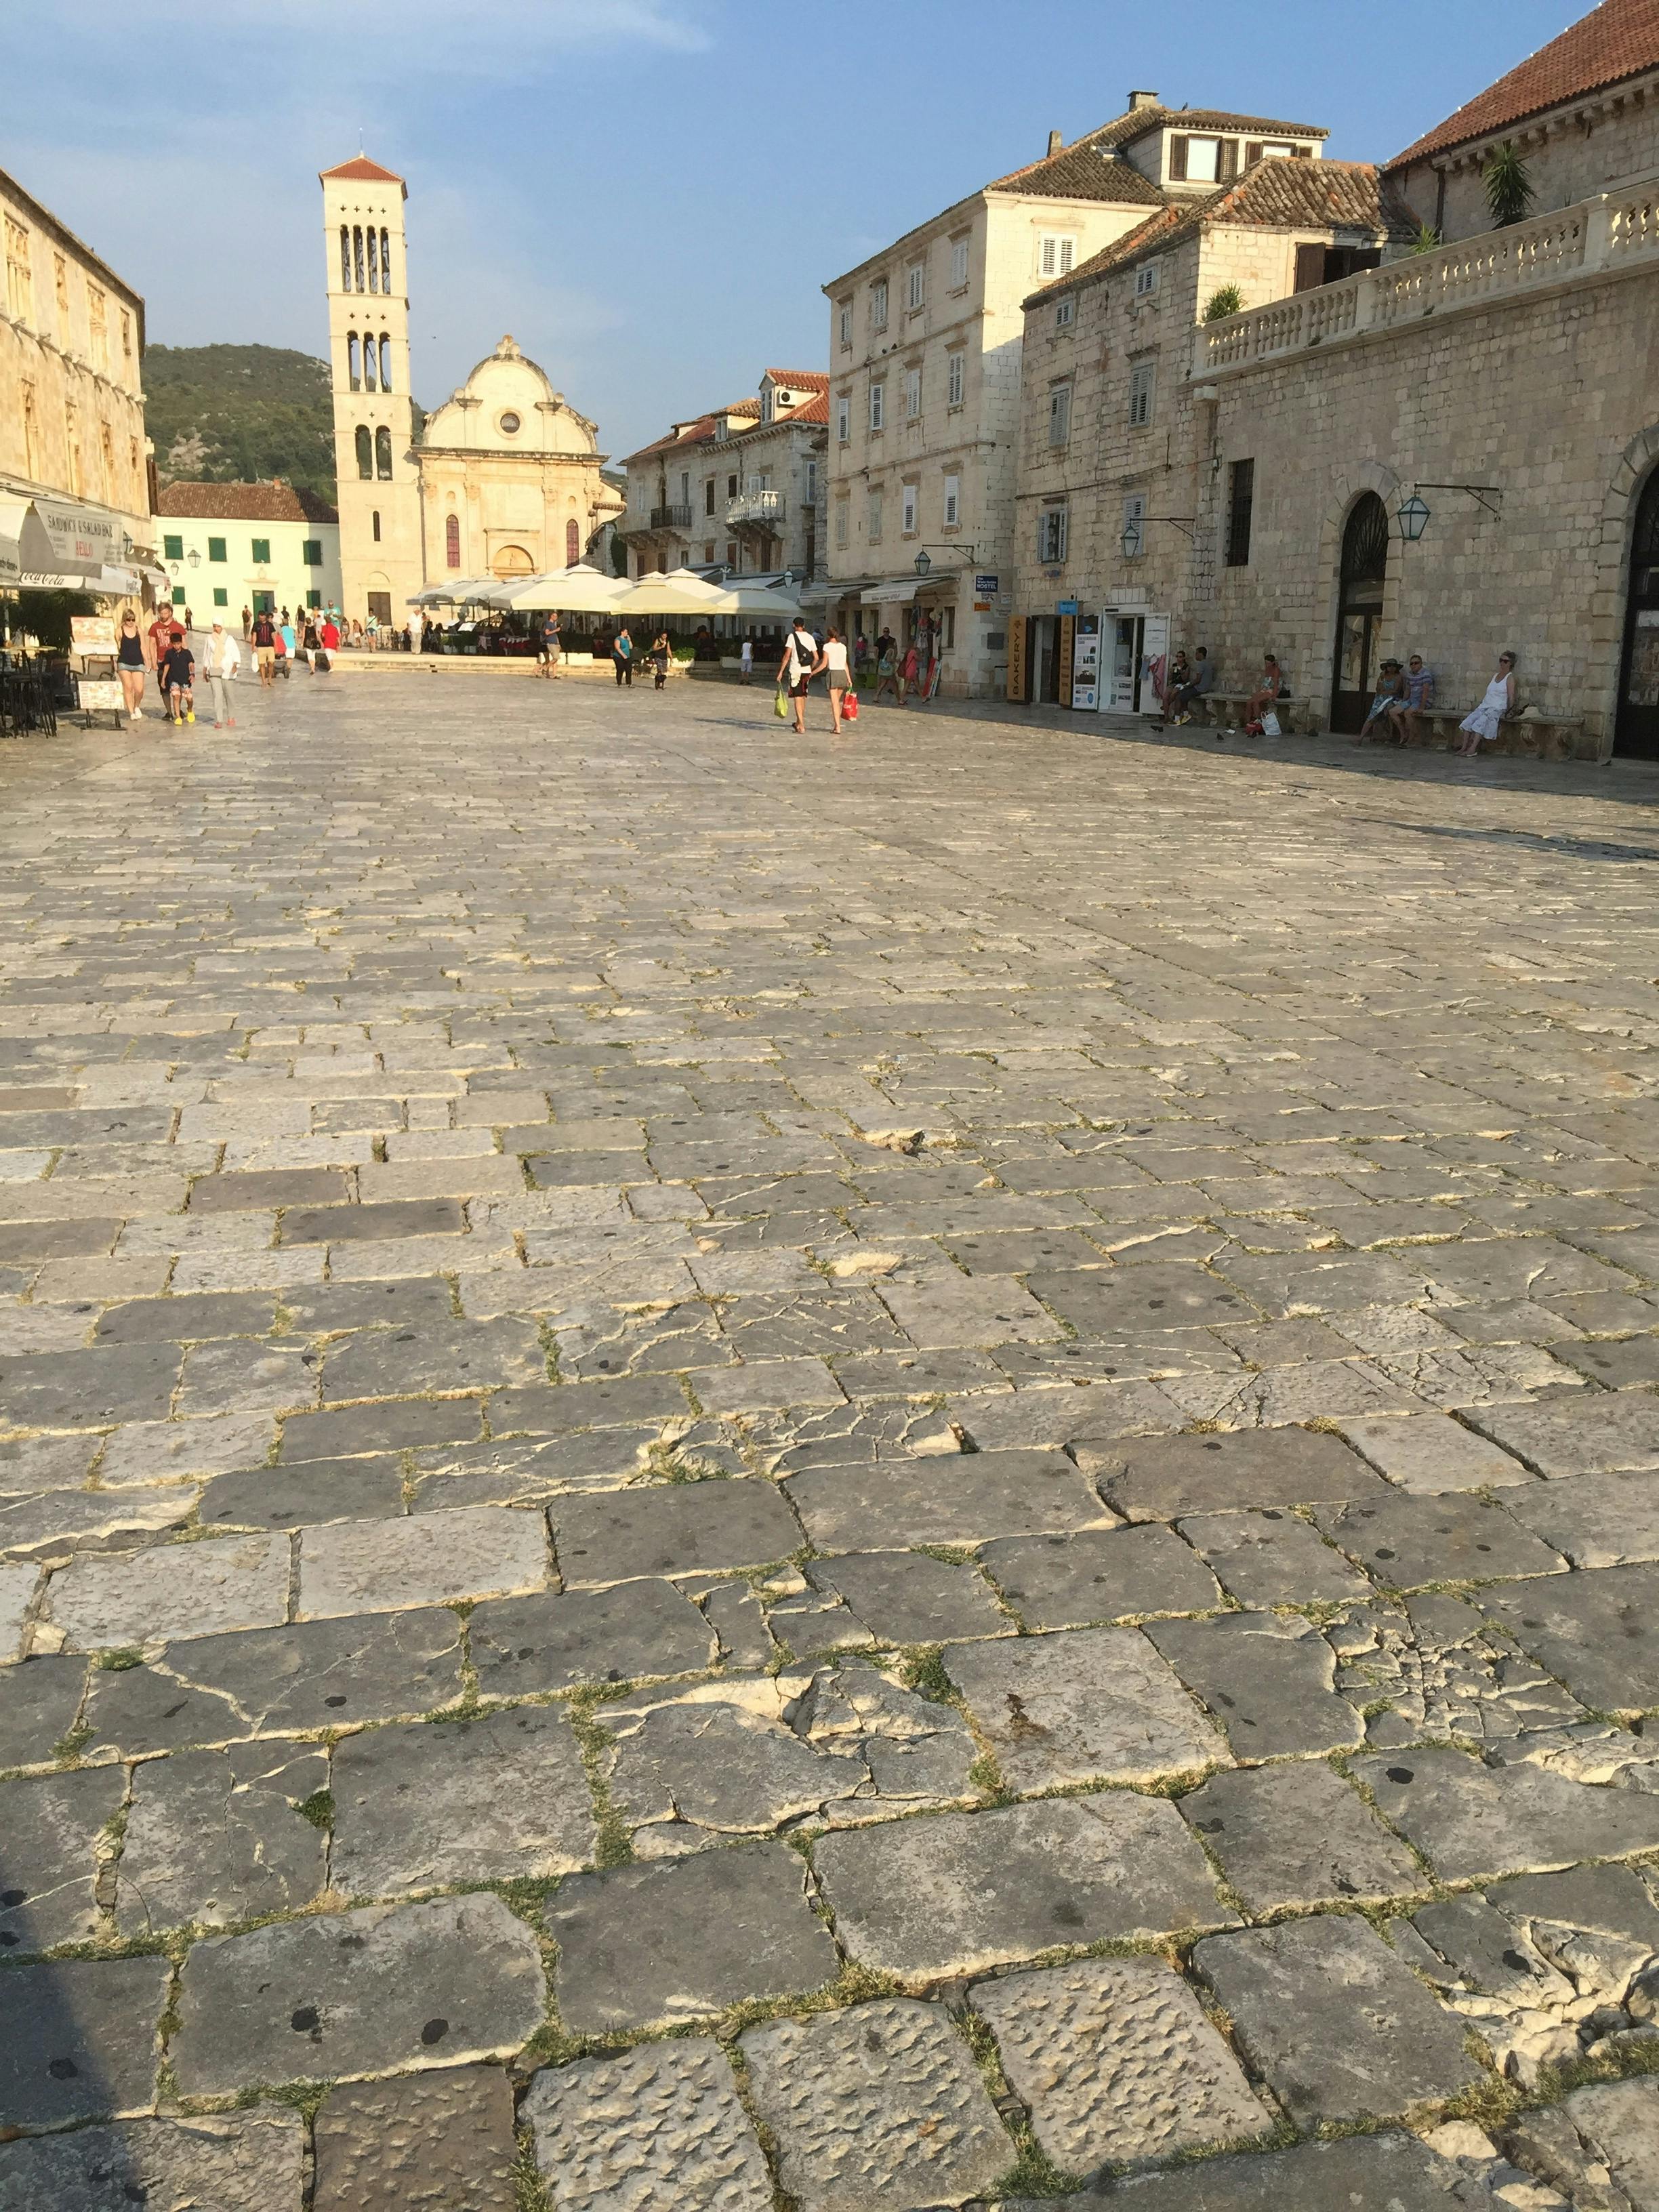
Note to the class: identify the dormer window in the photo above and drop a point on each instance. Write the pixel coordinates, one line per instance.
(1203, 161)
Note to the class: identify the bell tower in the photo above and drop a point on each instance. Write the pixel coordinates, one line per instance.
(381, 559)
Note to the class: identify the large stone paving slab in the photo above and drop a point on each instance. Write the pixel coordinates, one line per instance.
(502, 1797)
(1469, 1820)
(1116, 2062)
(1296, 1834)
(1598, 1631)
(952, 1500)
(647, 1947)
(216, 1837)
(662, 2123)
(428, 2142)
(958, 1893)
(375, 1566)
(78, 2039)
(1339, 2026)
(252, 2161)
(672, 1528)
(178, 1590)
(1164, 1477)
(52, 1826)
(356, 1993)
(1384, 2173)
(881, 2104)
(1087, 1704)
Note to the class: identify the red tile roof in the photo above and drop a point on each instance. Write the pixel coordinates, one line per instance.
(242, 502)
(809, 379)
(816, 409)
(1619, 39)
(1271, 195)
(362, 170)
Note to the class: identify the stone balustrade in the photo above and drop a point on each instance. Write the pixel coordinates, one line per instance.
(1613, 230)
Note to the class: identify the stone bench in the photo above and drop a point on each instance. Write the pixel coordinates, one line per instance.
(1537, 737)
(1292, 712)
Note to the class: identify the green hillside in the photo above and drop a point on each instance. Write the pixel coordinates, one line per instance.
(223, 414)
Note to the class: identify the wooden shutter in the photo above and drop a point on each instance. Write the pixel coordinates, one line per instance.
(1227, 167)
(1067, 656)
(1309, 267)
(1017, 656)
(1178, 158)
(1252, 153)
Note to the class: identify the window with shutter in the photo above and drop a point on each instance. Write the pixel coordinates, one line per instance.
(1252, 153)
(1228, 166)
(1178, 160)
(1309, 267)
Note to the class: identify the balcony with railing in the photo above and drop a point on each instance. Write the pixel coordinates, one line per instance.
(762, 510)
(1603, 236)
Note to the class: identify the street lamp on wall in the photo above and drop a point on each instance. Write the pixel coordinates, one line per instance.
(1413, 515)
(923, 564)
(1132, 540)
(194, 557)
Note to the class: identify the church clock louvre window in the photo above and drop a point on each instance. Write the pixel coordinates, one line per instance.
(364, 452)
(383, 453)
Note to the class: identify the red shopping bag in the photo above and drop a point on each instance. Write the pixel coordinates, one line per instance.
(849, 706)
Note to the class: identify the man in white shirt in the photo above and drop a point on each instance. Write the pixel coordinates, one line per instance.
(800, 663)
(220, 663)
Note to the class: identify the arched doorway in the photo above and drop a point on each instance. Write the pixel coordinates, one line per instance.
(1360, 612)
(512, 561)
(1636, 733)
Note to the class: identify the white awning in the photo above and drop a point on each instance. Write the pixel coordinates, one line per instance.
(898, 594)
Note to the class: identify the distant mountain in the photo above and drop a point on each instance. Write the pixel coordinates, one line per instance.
(220, 414)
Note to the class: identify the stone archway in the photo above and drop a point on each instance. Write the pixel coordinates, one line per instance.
(1313, 684)
(510, 561)
(1607, 624)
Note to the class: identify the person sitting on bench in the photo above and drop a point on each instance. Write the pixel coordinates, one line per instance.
(1198, 685)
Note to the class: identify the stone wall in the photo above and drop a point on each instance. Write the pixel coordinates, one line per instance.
(1549, 399)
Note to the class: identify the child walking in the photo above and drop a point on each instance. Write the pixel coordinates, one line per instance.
(179, 678)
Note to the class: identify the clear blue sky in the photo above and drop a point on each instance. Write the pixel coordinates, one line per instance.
(647, 193)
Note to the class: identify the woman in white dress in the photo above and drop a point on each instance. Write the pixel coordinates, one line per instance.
(1498, 703)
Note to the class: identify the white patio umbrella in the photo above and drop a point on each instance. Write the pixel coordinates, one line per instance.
(463, 591)
(756, 599)
(580, 589)
(677, 593)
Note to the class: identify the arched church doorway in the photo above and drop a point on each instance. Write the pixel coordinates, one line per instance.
(1359, 613)
(1635, 732)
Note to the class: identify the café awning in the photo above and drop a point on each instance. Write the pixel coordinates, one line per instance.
(64, 545)
(898, 594)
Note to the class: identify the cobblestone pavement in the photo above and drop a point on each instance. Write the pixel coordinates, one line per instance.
(911, 1475)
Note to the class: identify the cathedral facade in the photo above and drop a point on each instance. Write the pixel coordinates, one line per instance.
(503, 478)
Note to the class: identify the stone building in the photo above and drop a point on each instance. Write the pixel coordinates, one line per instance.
(925, 384)
(74, 470)
(740, 488)
(226, 546)
(510, 475)
(1503, 383)
(1107, 421)
(504, 479)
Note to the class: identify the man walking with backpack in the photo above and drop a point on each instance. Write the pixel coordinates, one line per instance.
(800, 663)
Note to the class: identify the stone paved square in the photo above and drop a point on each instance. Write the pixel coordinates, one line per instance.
(480, 1412)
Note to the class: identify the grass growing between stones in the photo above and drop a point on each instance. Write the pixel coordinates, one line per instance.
(1033, 2174)
(530, 2192)
(613, 1844)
